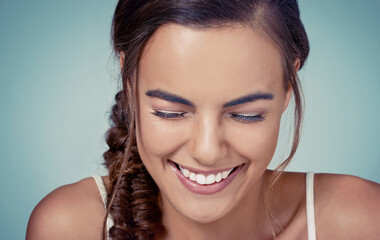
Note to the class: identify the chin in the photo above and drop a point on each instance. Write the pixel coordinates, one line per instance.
(204, 217)
(206, 211)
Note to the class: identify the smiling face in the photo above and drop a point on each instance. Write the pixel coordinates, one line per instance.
(209, 101)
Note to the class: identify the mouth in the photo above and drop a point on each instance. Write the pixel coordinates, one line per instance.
(205, 182)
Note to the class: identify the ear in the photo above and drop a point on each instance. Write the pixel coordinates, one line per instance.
(122, 56)
(297, 64)
(289, 91)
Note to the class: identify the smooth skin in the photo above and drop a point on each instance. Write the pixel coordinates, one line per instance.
(209, 68)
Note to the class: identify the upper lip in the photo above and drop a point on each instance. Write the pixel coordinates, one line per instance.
(206, 172)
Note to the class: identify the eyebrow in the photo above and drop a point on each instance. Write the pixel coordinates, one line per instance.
(168, 97)
(158, 93)
(249, 98)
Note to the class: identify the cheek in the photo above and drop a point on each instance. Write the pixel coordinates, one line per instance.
(157, 137)
(256, 142)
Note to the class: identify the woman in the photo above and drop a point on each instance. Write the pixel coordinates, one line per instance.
(205, 84)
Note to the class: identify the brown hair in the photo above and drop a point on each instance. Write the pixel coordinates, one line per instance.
(133, 195)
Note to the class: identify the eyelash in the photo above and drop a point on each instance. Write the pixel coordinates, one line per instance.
(235, 116)
(246, 118)
(168, 115)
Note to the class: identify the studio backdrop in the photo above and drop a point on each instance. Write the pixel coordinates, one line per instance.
(58, 78)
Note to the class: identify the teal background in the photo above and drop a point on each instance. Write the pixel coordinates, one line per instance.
(58, 78)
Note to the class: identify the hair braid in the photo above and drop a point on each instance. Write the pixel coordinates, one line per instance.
(132, 195)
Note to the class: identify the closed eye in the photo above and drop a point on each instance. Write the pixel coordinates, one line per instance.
(246, 118)
(168, 114)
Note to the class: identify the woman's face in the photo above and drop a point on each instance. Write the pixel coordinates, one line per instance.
(209, 101)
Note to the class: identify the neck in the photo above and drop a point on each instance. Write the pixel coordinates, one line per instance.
(248, 220)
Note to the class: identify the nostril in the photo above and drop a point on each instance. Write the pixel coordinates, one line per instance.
(208, 153)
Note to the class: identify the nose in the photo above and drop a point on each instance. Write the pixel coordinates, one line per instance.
(207, 144)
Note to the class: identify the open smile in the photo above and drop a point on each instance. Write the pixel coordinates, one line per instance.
(205, 182)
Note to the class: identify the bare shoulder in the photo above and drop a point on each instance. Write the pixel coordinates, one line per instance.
(73, 211)
(346, 207)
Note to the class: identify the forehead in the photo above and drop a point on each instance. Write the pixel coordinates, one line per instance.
(186, 61)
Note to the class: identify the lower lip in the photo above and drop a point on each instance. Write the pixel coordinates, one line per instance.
(205, 189)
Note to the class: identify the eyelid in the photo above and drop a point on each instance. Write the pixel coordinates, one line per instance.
(245, 113)
(168, 111)
(165, 106)
(246, 117)
(167, 114)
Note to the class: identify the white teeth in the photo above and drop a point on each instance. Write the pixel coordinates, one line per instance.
(218, 177)
(202, 179)
(185, 172)
(225, 174)
(193, 176)
(210, 179)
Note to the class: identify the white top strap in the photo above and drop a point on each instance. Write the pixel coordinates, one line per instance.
(310, 206)
(102, 189)
(103, 193)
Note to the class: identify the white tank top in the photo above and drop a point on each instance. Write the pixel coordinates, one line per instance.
(103, 194)
(311, 233)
